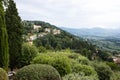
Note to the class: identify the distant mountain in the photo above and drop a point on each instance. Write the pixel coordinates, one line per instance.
(94, 32)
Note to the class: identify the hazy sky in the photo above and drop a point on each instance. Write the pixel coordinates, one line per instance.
(72, 13)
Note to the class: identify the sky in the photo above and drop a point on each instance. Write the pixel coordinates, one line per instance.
(72, 13)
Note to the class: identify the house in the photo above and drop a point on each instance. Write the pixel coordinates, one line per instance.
(47, 30)
(116, 60)
(33, 37)
(55, 31)
(36, 27)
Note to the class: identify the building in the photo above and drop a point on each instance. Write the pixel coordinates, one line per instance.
(55, 31)
(35, 27)
(47, 30)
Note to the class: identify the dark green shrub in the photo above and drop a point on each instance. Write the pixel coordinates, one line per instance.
(115, 76)
(104, 71)
(58, 61)
(3, 74)
(113, 66)
(37, 72)
(28, 53)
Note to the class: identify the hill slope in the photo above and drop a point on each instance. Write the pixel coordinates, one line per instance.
(52, 37)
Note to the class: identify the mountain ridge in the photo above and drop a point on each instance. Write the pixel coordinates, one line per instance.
(93, 31)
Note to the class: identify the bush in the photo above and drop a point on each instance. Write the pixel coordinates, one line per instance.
(87, 70)
(116, 76)
(58, 61)
(37, 72)
(3, 74)
(42, 59)
(28, 53)
(76, 76)
(62, 64)
(79, 58)
(104, 71)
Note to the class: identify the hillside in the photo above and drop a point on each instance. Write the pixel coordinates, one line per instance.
(52, 37)
(107, 39)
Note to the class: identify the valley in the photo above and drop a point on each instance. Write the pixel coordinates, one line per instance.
(106, 39)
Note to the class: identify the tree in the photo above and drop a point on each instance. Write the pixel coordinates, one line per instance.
(14, 29)
(28, 53)
(4, 53)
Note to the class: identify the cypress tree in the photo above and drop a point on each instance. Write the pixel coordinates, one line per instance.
(14, 29)
(4, 53)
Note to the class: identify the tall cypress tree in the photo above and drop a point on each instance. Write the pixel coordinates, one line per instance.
(14, 29)
(4, 55)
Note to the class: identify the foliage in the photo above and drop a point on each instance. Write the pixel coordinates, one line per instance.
(87, 70)
(59, 61)
(86, 53)
(43, 59)
(42, 49)
(37, 72)
(104, 71)
(4, 51)
(28, 53)
(76, 76)
(3, 74)
(77, 57)
(103, 55)
(14, 29)
(116, 76)
(113, 66)
(56, 42)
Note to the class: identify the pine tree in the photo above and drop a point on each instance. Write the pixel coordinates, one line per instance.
(14, 29)
(4, 53)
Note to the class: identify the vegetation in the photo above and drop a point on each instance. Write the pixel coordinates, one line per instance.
(28, 53)
(49, 53)
(76, 76)
(45, 36)
(3, 74)
(37, 72)
(110, 44)
(58, 61)
(77, 57)
(14, 29)
(104, 71)
(4, 53)
(113, 66)
(87, 70)
(42, 49)
(116, 76)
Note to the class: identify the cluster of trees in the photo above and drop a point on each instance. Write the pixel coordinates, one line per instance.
(64, 41)
(10, 35)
